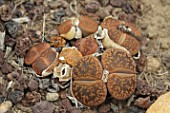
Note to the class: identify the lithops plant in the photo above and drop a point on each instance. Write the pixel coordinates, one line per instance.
(87, 25)
(41, 57)
(122, 68)
(123, 33)
(87, 45)
(70, 55)
(69, 29)
(108, 43)
(75, 27)
(87, 86)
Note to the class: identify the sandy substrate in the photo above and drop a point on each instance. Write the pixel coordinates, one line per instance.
(155, 23)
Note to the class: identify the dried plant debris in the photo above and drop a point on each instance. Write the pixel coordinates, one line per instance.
(2, 39)
(12, 28)
(145, 90)
(1, 58)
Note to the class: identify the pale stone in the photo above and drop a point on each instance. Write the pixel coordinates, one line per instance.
(161, 105)
(5, 106)
(52, 96)
(153, 64)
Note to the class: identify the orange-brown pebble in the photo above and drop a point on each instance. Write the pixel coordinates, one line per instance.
(87, 25)
(121, 86)
(87, 45)
(87, 87)
(44, 61)
(57, 41)
(118, 61)
(35, 52)
(70, 55)
(120, 37)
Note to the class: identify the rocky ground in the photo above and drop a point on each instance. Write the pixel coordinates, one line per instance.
(22, 92)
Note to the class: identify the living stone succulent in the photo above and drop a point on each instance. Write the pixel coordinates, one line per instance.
(123, 33)
(88, 87)
(40, 56)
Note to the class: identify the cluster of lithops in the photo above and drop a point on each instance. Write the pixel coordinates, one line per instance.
(88, 86)
(89, 82)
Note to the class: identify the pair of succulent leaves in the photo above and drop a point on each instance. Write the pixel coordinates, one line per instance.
(88, 87)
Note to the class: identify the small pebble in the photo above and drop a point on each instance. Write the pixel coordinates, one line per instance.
(143, 102)
(12, 28)
(89, 111)
(1, 2)
(33, 85)
(6, 68)
(23, 43)
(21, 83)
(2, 98)
(164, 44)
(127, 17)
(42, 106)
(104, 2)
(135, 109)
(105, 11)
(127, 8)
(117, 3)
(9, 41)
(92, 7)
(66, 104)
(143, 88)
(6, 14)
(63, 94)
(5, 106)
(15, 96)
(52, 96)
(104, 108)
(23, 108)
(152, 64)
(13, 75)
(31, 98)
(75, 110)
